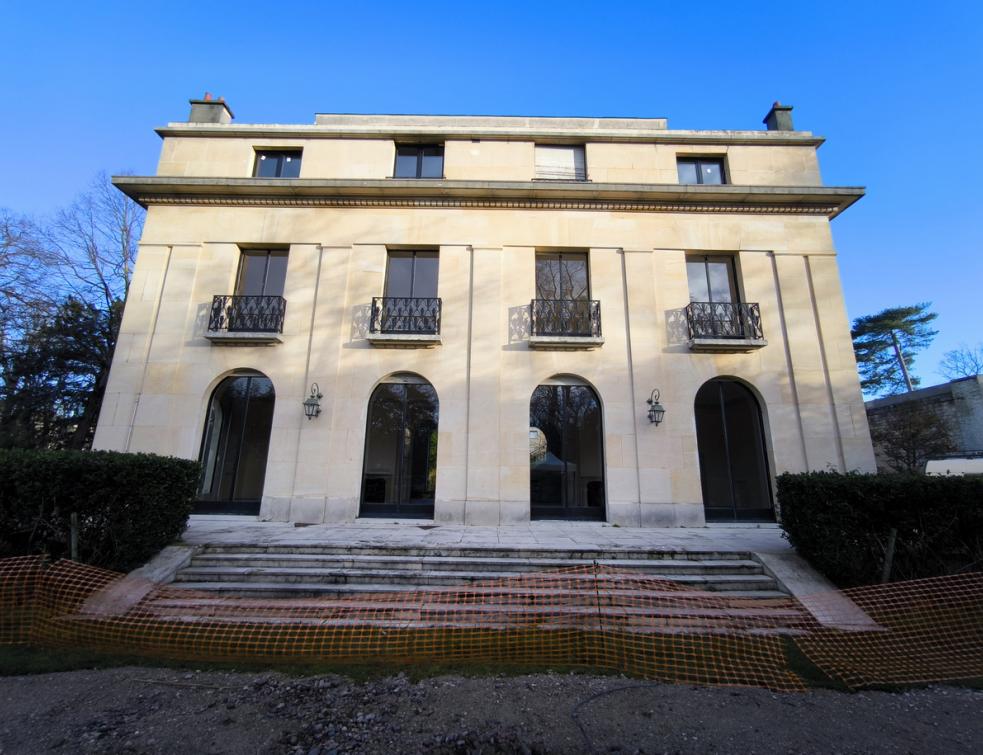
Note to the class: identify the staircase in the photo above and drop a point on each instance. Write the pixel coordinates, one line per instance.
(305, 571)
(639, 592)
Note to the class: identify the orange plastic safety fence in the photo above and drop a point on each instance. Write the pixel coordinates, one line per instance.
(593, 616)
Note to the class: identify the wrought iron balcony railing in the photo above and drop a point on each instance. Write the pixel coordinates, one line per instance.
(566, 317)
(723, 320)
(404, 314)
(247, 314)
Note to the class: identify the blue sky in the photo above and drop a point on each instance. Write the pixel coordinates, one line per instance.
(894, 87)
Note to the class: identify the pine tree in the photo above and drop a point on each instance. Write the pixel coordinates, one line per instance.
(886, 344)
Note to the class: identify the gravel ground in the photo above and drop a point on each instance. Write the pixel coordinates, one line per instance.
(148, 710)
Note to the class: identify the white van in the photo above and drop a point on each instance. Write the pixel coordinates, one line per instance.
(956, 465)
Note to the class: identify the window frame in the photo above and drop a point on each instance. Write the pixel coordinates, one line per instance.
(560, 255)
(576, 179)
(280, 153)
(435, 253)
(268, 253)
(419, 148)
(699, 160)
(733, 277)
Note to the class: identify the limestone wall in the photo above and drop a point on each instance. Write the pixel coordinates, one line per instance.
(484, 371)
(488, 159)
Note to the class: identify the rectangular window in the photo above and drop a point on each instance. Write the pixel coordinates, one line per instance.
(562, 277)
(712, 279)
(701, 170)
(262, 272)
(561, 163)
(419, 161)
(412, 274)
(277, 164)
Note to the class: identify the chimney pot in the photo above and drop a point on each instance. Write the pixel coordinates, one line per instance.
(208, 110)
(779, 118)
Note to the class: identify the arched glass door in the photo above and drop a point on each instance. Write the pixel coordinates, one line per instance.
(731, 442)
(566, 453)
(235, 445)
(399, 476)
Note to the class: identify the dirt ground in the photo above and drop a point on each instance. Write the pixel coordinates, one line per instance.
(152, 710)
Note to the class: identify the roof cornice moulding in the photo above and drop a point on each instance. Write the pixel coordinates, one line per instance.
(295, 192)
(417, 133)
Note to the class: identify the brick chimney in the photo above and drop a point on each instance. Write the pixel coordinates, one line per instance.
(779, 118)
(208, 110)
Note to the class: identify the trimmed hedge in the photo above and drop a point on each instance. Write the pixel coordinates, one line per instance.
(129, 506)
(841, 524)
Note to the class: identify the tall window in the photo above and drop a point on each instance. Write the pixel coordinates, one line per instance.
(235, 445)
(712, 279)
(277, 164)
(562, 276)
(566, 456)
(419, 161)
(731, 444)
(561, 163)
(563, 305)
(412, 274)
(262, 272)
(399, 475)
(700, 170)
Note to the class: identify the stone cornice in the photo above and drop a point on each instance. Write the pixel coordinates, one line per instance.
(557, 134)
(537, 195)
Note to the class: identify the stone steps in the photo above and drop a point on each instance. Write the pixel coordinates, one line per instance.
(290, 591)
(464, 563)
(312, 569)
(359, 575)
(473, 552)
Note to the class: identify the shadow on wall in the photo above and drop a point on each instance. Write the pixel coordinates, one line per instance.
(361, 323)
(203, 313)
(677, 329)
(520, 324)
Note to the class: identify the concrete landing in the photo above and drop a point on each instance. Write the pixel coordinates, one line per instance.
(755, 538)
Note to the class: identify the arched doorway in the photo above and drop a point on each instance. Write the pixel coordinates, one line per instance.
(234, 445)
(566, 453)
(733, 463)
(399, 475)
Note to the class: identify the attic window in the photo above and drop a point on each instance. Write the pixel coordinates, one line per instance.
(561, 163)
(277, 164)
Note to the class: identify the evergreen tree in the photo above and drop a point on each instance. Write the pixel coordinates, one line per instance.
(886, 344)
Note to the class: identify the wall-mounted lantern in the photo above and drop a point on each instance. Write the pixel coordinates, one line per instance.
(656, 410)
(312, 404)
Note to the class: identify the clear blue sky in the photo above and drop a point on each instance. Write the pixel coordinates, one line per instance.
(894, 87)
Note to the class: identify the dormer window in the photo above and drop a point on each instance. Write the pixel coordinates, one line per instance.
(277, 163)
(701, 170)
(419, 161)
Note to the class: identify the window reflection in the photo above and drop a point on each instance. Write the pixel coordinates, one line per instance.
(235, 445)
(400, 468)
(566, 455)
(733, 466)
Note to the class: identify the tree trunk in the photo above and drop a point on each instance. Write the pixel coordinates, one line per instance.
(904, 367)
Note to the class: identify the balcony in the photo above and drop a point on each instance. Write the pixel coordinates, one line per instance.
(724, 326)
(405, 322)
(246, 319)
(565, 324)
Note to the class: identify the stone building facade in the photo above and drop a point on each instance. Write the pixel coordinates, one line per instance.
(486, 305)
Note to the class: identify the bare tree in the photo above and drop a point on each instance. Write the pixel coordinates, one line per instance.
(962, 362)
(63, 282)
(907, 435)
(94, 242)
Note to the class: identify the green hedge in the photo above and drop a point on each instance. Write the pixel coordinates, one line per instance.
(129, 506)
(841, 524)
